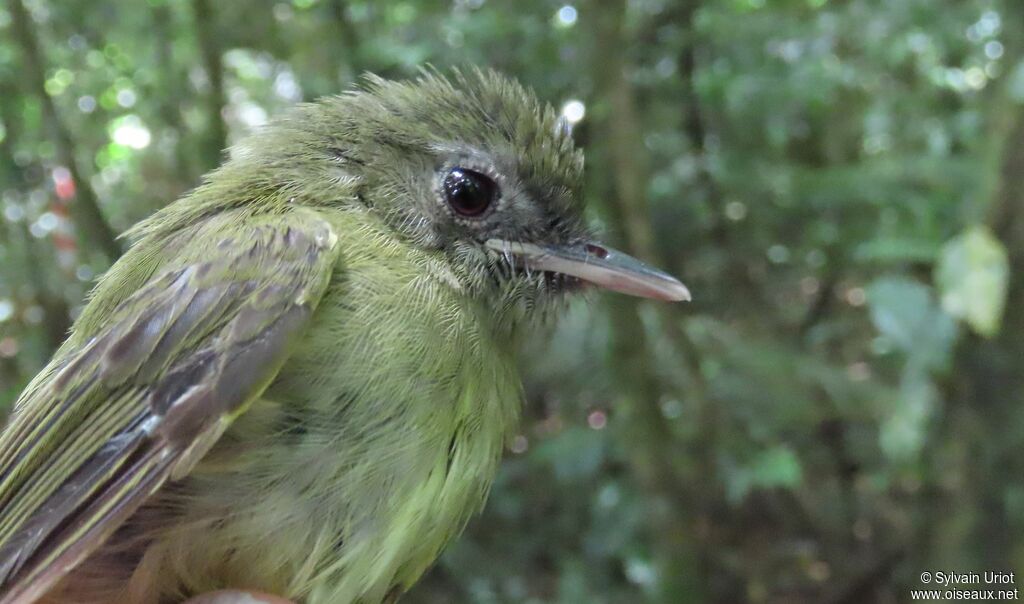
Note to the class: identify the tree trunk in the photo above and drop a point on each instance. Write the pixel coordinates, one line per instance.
(620, 176)
(988, 389)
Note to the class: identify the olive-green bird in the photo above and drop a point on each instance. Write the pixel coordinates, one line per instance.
(299, 380)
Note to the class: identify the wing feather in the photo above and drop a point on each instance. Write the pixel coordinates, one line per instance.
(143, 398)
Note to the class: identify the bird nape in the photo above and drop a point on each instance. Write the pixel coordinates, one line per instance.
(299, 379)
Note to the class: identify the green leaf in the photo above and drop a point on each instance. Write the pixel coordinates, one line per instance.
(904, 311)
(972, 275)
(893, 249)
(778, 466)
(903, 432)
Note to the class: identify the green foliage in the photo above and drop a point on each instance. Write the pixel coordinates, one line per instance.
(838, 182)
(972, 274)
(775, 467)
(905, 313)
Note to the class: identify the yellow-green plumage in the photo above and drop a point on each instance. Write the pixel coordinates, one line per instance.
(395, 439)
(299, 379)
(374, 444)
(333, 464)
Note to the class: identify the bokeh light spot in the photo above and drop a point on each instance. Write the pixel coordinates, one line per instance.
(567, 15)
(573, 111)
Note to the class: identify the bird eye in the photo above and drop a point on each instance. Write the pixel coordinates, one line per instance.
(468, 193)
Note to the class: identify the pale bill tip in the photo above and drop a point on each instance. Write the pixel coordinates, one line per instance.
(678, 292)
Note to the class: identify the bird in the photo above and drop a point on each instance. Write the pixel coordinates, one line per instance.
(298, 382)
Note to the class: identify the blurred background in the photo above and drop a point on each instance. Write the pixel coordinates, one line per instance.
(840, 183)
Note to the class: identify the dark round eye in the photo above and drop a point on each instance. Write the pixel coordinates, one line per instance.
(469, 193)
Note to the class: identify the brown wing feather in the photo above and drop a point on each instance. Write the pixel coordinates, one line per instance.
(143, 399)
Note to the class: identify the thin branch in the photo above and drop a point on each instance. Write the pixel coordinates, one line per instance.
(210, 50)
(348, 63)
(85, 209)
(172, 83)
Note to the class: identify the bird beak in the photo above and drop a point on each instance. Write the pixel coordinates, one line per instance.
(597, 264)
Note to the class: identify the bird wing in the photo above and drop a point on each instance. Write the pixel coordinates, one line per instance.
(117, 415)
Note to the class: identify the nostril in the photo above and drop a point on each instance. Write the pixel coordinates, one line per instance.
(596, 250)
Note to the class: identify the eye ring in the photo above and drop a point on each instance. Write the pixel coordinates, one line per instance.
(468, 193)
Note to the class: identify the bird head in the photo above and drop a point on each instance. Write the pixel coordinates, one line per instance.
(476, 169)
